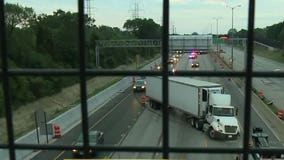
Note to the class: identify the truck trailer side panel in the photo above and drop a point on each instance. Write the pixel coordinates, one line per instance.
(184, 97)
(154, 88)
(181, 95)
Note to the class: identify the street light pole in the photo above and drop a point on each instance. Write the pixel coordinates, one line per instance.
(217, 20)
(232, 36)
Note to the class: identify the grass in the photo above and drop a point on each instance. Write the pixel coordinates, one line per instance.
(96, 91)
(64, 107)
(93, 93)
(77, 101)
(276, 55)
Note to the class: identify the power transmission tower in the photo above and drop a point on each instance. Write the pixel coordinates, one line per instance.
(135, 11)
(89, 7)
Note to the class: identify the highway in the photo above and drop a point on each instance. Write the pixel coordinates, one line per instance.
(126, 122)
(115, 119)
(271, 87)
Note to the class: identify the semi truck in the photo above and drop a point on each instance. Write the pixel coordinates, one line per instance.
(203, 103)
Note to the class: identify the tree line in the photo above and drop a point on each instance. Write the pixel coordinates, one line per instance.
(271, 35)
(51, 41)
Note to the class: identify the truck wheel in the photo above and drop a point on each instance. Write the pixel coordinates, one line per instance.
(192, 122)
(151, 104)
(211, 133)
(198, 124)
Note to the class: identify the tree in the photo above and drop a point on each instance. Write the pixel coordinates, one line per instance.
(274, 30)
(57, 37)
(194, 33)
(18, 16)
(281, 37)
(143, 28)
(242, 33)
(51, 41)
(232, 32)
(260, 35)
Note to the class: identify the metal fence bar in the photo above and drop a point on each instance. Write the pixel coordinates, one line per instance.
(165, 84)
(248, 80)
(145, 149)
(82, 72)
(6, 87)
(83, 92)
(109, 72)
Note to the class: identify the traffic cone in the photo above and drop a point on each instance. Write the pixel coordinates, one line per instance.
(57, 131)
(143, 99)
(260, 94)
(280, 113)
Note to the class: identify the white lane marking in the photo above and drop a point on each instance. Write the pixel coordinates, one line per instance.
(61, 153)
(109, 111)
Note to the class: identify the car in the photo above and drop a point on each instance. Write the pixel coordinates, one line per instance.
(171, 61)
(139, 85)
(194, 64)
(95, 138)
(157, 67)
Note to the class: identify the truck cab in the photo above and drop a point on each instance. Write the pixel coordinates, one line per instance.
(223, 123)
(221, 117)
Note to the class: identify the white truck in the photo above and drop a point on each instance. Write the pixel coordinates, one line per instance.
(202, 102)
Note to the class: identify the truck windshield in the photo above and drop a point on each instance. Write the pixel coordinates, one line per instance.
(223, 111)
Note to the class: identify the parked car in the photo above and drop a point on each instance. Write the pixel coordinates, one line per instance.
(139, 85)
(95, 138)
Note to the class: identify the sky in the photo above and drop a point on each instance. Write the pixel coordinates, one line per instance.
(186, 16)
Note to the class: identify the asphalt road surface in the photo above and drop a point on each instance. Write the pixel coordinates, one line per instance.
(126, 122)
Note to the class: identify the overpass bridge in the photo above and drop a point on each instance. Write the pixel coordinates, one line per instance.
(176, 43)
(188, 42)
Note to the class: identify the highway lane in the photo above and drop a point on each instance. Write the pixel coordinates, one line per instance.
(237, 100)
(256, 119)
(272, 87)
(148, 126)
(182, 135)
(115, 119)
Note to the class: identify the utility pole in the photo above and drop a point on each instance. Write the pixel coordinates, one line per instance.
(232, 35)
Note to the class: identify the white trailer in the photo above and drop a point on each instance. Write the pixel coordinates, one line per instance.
(201, 102)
